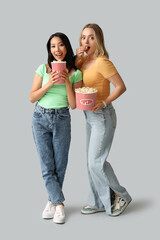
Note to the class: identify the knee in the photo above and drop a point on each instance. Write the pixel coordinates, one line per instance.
(94, 168)
(47, 174)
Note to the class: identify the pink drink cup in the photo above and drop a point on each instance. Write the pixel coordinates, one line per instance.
(59, 67)
(85, 101)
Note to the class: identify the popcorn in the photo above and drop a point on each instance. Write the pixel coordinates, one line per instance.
(85, 98)
(85, 90)
(59, 61)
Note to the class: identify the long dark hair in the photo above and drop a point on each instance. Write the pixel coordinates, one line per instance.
(69, 58)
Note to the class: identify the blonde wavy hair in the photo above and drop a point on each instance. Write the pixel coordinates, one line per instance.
(99, 38)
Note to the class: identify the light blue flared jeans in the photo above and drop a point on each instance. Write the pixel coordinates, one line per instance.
(100, 131)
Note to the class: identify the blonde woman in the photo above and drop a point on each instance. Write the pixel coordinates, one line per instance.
(98, 72)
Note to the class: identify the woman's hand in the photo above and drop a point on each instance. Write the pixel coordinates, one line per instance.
(65, 76)
(53, 77)
(79, 56)
(80, 52)
(97, 107)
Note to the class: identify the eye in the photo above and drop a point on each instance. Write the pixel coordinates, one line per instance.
(82, 38)
(61, 44)
(92, 38)
(52, 46)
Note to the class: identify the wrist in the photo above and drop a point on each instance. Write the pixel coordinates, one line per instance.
(79, 58)
(104, 104)
(47, 85)
(67, 81)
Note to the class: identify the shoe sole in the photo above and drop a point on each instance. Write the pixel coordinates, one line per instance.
(121, 211)
(93, 211)
(47, 216)
(59, 222)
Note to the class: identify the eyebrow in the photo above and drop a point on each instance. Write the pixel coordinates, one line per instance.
(88, 35)
(54, 43)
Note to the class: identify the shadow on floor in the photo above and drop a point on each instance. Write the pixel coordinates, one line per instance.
(139, 205)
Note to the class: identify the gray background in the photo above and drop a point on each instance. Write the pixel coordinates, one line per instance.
(131, 34)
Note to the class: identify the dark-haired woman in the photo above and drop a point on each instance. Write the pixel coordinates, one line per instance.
(51, 120)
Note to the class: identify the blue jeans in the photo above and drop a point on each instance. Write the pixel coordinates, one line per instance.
(52, 134)
(100, 131)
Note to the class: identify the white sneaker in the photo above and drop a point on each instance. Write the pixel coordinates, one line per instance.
(59, 216)
(89, 210)
(49, 210)
(118, 207)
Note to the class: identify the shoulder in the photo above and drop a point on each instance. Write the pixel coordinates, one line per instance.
(42, 66)
(103, 59)
(77, 76)
(78, 73)
(75, 72)
(106, 67)
(41, 70)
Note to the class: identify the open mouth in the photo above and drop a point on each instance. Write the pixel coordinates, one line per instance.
(87, 48)
(59, 55)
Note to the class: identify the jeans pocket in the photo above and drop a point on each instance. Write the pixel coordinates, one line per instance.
(37, 114)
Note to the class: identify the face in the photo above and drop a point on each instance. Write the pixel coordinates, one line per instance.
(58, 48)
(88, 41)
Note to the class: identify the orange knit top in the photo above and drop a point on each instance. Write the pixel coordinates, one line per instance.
(97, 76)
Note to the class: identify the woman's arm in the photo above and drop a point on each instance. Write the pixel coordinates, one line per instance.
(120, 88)
(71, 93)
(79, 57)
(37, 91)
(78, 85)
(78, 62)
(70, 90)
